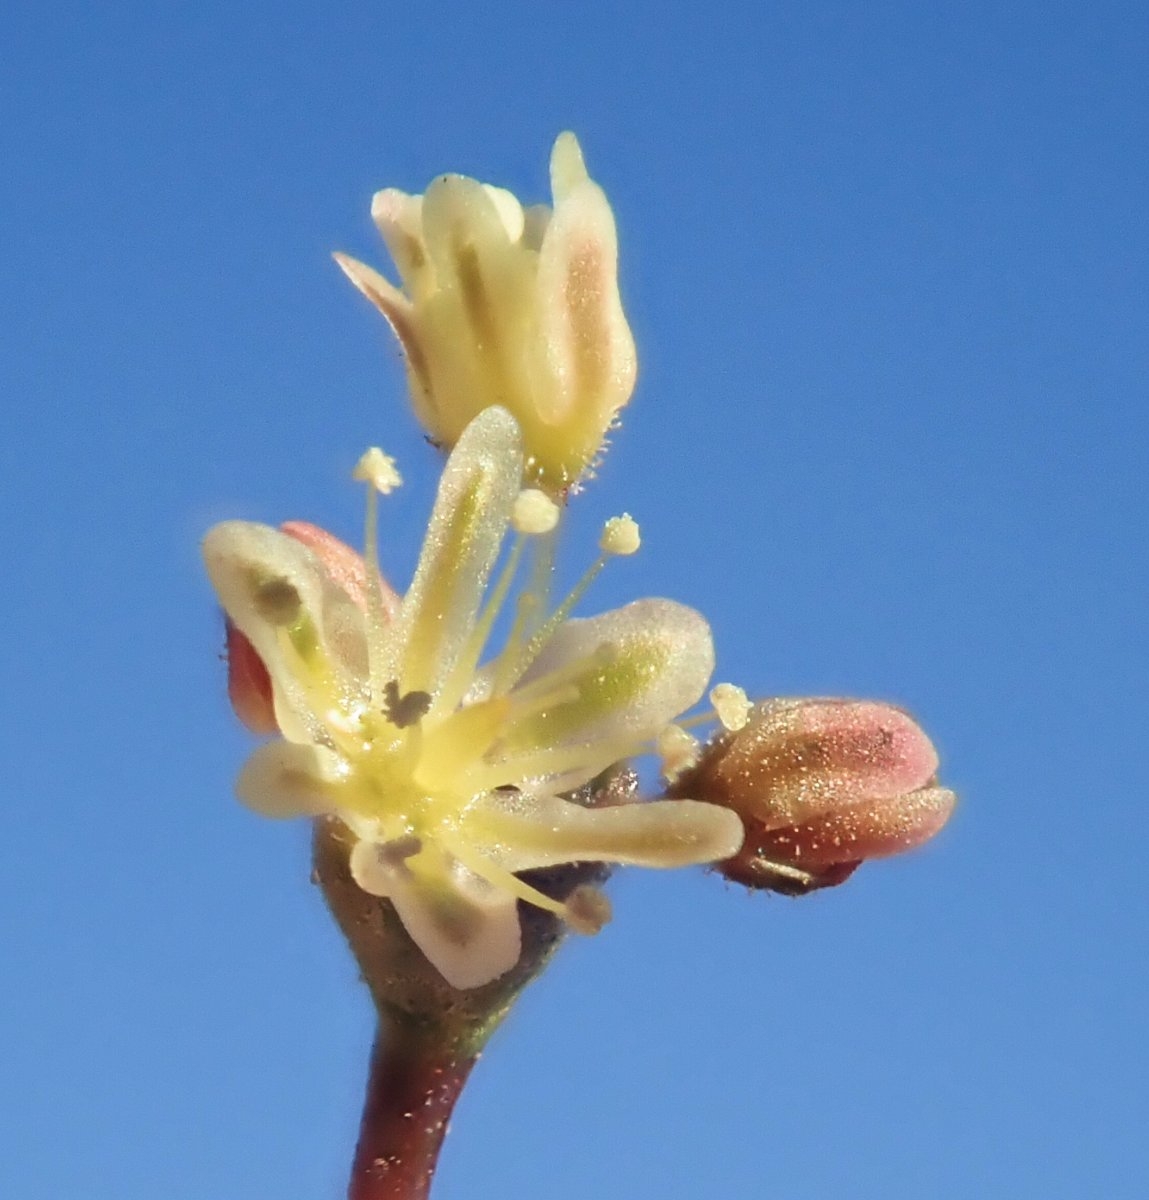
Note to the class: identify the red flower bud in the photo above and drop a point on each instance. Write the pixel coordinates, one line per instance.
(821, 786)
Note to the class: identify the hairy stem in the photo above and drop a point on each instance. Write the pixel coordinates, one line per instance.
(417, 1073)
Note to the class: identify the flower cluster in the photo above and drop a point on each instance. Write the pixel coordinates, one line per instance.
(453, 767)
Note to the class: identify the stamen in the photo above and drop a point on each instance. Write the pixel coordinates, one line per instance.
(464, 670)
(506, 667)
(406, 710)
(378, 471)
(529, 612)
(547, 689)
(731, 705)
(457, 745)
(587, 909)
(534, 512)
(511, 665)
(544, 550)
(620, 536)
(503, 879)
(552, 762)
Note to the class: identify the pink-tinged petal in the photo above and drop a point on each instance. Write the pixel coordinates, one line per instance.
(400, 315)
(344, 565)
(468, 930)
(875, 828)
(399, 219)
(248, 681)
(589, 348)
(265, 581)
(248, 684)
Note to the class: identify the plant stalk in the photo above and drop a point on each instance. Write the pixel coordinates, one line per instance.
(416, 1076)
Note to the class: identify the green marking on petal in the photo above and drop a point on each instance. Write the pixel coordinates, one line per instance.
(615, 677)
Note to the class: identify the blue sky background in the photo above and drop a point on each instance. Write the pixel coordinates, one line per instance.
(887, 264)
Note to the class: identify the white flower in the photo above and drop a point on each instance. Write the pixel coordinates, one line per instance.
(450, 773)
(508, 306)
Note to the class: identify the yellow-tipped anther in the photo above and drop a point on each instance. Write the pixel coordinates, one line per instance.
(731, 705)
(534, 512)
(379, 470)
(620, 536)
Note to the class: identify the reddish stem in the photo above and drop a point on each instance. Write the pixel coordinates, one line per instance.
(415, 1079)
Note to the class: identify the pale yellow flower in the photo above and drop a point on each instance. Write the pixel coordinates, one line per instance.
(451, 771)
(502, 305)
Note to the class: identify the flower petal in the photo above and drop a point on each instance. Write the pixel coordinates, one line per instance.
(399, 219)
(568, 168)
(247, 564)
(589, 347)
(544, 831)
(283, 779)
(460, 216)
(477, 326)
(400, 315)
(471, 512)
(644, 665)
(344, 565)
(468, 930)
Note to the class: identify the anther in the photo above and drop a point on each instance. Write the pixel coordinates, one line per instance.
(534, 512)
(404, 710)
(731, 705)
(379, 470)
(586, 910)
(620, 536)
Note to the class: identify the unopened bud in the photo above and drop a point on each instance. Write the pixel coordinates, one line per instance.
(821, 786)
(501, 305)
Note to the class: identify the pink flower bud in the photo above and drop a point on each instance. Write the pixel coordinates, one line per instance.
(821, 786)
(248, 683)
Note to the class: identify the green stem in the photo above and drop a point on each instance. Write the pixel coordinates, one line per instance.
(417, 1074)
